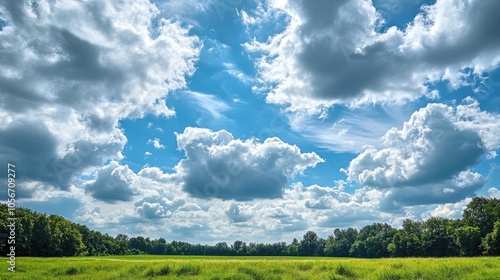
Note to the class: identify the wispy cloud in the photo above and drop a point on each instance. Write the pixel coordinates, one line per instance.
(234, 71)
(209, 104)
(350, 131)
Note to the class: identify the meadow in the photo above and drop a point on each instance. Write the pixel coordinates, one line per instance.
(214, 268)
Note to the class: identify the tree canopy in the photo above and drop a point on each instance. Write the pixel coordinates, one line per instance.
(477, 233)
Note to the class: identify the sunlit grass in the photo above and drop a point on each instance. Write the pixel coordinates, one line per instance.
(218, 268)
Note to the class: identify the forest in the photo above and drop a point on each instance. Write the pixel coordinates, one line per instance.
(477, 233)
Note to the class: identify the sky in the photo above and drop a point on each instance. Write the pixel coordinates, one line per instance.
(253, 120)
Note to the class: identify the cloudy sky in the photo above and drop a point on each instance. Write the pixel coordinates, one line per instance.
(256, 120)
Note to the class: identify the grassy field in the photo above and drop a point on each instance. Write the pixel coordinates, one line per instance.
(193, 267)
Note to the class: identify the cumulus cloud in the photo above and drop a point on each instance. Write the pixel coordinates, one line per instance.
(71, 70)
(449, 210)
(152, 210)
(217, 165)
(429, 159)
(335, 52)
(113, 183)
(494, 192)
(236, 215)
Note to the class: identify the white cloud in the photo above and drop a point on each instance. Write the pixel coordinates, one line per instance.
(72, 70)
(348, 131)
(449, 210)
(156, 143)
(494, 193)
(210, 104)
(429, 160)
(217, 165)
(232, 70)
(333, 52)
(152, 210)
(237, 214)
(113, 183)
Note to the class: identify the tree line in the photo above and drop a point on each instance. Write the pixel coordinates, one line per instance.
(477, 233)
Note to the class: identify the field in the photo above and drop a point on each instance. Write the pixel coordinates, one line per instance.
(197, 267)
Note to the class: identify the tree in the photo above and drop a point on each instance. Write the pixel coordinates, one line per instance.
(407, 242)
(397, 248)
(41, 244)
(373, 241)
(293, 249)
(435, 237)
(222, 248)
(468, 240)
(239, 248)
(139, 243)
(308, 244)
(340, 242)
(159, 246)
(491, 242)
(482, 212)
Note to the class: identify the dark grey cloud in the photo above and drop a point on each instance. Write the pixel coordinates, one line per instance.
(34, 149)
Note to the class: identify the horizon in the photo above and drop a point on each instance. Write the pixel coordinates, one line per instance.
(252, 120)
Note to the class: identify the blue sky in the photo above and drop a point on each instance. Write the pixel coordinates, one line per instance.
(253, 120)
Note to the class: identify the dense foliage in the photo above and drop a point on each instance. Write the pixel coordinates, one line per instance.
(478, 233)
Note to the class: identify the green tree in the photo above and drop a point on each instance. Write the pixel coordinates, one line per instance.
(308, 244)
(340, 242)
(41, 246)
(293, 249)
(482, 212)
(468, 240)
(491, 243)
(397, 248)
(373, 241)
(435, 237)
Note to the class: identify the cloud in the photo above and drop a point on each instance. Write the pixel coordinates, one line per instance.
(233, 71)
(152, 210)
(494, 192)
(236, 215)
(72, 70)
(429, 159)
(334, 52)
(113, 183)
(347, 131)
(156, 143)
(210, 104)
(31, 144)
(217, 165)
(449, 210)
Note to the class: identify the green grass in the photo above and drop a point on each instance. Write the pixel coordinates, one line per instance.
(251, 268)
